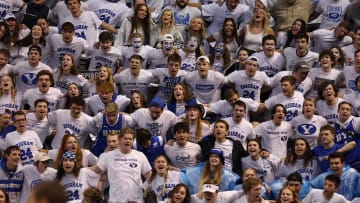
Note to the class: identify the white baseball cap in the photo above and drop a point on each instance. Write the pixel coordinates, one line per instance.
(210, 188)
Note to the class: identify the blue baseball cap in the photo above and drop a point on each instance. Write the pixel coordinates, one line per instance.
(157, 102)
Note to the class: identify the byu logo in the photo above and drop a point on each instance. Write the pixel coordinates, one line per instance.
(29, 78)
(133, 165)
(306, 129)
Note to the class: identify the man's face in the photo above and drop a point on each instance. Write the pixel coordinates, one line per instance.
(13, 158)
(326, 137)
(41, 108)
(67, 36)
(238, 113)
(344, 112)
(329, 93)
(250, 68)
(126, 142)
(341, 32)
(112, 142)
(210, 197)
(155, 112)
(203, 68)
(76, 110)
(111, 117)
(295, 185)
(181, 137)
(301, 44)
(5, 119)
(73, 6)
(337, 166)
(173, 68)
(182, 3)
(357, 60)
(299, 75)
(3, 60)
(34, 56)
(106, 96)
(309, 108)
(279, 114)
(269, 48)
(287, 88)
(167, 47)
(137, 43)
(232, 4)
(20, 123)
(105, 46)
(135, 66)
(44, 83)
(255, 193)
(329, 188)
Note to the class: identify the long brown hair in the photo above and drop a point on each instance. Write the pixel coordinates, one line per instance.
(145, 23)
(12, 91)
(61, 150)
(206, 175)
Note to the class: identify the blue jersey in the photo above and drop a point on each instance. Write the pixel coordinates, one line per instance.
(101, 142)
(155, 149)
(346, 135)
(322, 154)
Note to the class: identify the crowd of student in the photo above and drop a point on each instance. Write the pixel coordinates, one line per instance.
(174, 101)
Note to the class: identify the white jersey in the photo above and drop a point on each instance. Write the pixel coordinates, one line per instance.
(7, 102)
(61, 11)
(75, 186)
(206, 90)
(308, 129)
(64, 123)
(270, 65)
(127, 52)
(307, 173)
(317, 195)
(354, 98)
(348, 74)
(100, 58)
(241, 131)
(128, 82)
(219, 13)
(28, 142)
(157, 127)
(304, 87)
(95, 105)
(223, 107)
(332, 12)
(26, 75)
(166, 81)
(63, 81)
(41, 127)
(274, 138)
(292, 58)
(265, 168)
(112, 13)
(293, 104)
(52, 96)
(125, 171)
(330, 113)
(318, 76)
(88, 158)
(183, 157)
(5, 70)
(59, 48)
(32, 178)
(158, 183)
(249, 87)
(86, 26)
(324, 39)
(183, 16)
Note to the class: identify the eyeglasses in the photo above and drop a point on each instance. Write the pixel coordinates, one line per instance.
(19, 120)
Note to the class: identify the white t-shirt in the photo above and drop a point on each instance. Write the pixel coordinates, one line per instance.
(292, 58)
(324, 39)
(249, 87)
(53, 96)
(222, 197)
(6, 101)
(100, 58)
(28, 142)
(308, 172)
(317, 195)
(270, 65)
(330, 113)
(127, 52)
(348, 74)
(265, 168)
(95, 104)
(63, 81)
(318, 76)
(303, 87)
(332, 12)
(227, 148)
(124, 172)
(182, 16)
(183, 157)
(223, 107)
(293, 105)
(354, 99)
(41, 127)
(240, 131)
(274, 138)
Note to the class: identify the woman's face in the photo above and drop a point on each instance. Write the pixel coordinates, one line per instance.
(259, 15)
(179, 195)
(136, 100)
(300, 147)
(36, 32)
(142, 12)
(335, 52)
(229, 28)
(286, 196)
(2, 197)
(296, 27)
(161, 165)
(309, 108)
(68, 165)
(179, 92)
(214, 160)
(166, 17)
(103, 73)
(73, 90)
(253, 148)
(196, 24)
(243, 55)
(6, 83)
(2, 31)
(66, 63)
(192, 44)
(71, 144)
(193, 113)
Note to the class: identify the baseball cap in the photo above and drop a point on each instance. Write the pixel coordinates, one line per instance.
(252, 58)
(3, 110)
(218, 152)
(199, 107)
(302, 66)
(41, 156)
(203, 58)
(167, 37)
(9, 16)
(210, 188)
(157, 102)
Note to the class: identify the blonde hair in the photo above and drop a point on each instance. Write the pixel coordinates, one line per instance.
(111, 107)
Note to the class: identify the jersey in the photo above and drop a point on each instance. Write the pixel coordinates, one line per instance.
(322, 154)
(28, 142)
(155, 149)
(308, 129)
(274, 138)
(292, 58)
(100, 58)
(53, 96)
(241, 131)
(249, 87)
(160, 126)
(95, 104)
(64, 123)
(270, 65)
(13, 104)
(304, 86)
(224, 109)
(26, 75)
(125, 171)
(316, 195)
(293, 104)
(127, 52)
(7, 7)
(41, 127)
(183, 156)
(62, 81)
(348, 74)
(206, 90)
(318, 76)
(265, 168)
(332, 12)
(307, 172)
(330, 113)
(166, 81)
(324, 39)
(157, 59)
